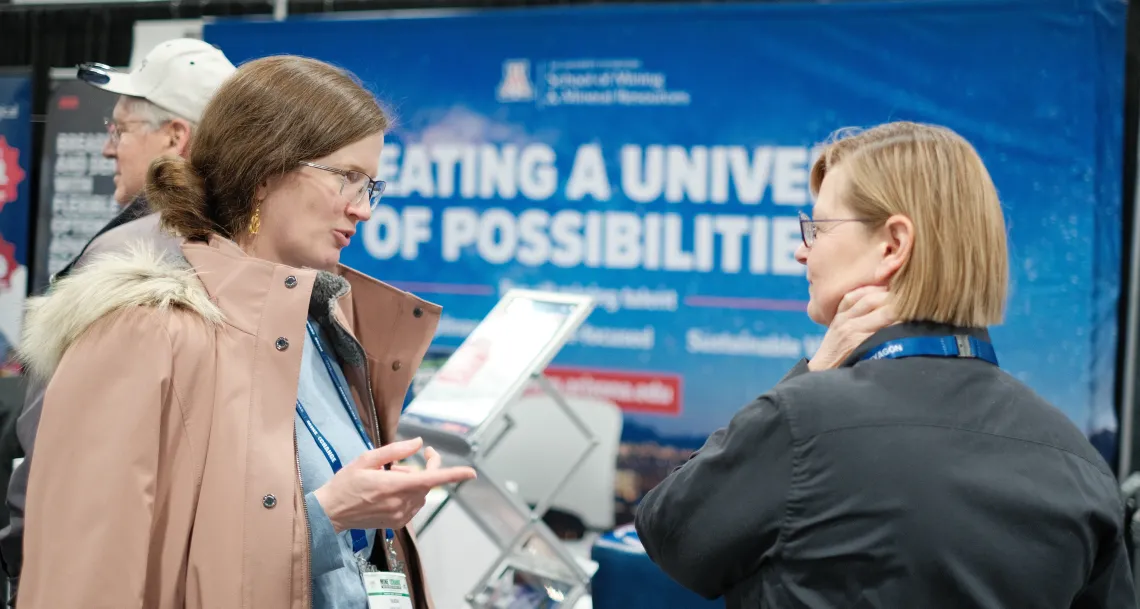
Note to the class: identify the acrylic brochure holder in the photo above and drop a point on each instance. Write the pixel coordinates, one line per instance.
(464, 412)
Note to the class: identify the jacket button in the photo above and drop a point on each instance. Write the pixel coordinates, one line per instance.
(396, 365)
(418, 312)
(269, 501)
(290, 282)
(282, 343)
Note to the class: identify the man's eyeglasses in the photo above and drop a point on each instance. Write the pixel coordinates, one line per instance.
(809, 228)
(355, 185)
(116, 129)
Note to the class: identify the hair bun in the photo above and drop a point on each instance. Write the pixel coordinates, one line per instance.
(176, 191)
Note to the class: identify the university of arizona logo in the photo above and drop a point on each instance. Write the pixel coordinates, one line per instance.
(516, 85)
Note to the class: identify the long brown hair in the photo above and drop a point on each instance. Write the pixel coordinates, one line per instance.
(269, 116)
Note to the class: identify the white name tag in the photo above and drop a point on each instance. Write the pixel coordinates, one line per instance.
(387, 590)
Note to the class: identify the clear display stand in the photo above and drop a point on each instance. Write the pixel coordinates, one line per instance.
(464, 411)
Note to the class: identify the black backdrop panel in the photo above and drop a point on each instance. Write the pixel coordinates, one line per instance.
(77, 182)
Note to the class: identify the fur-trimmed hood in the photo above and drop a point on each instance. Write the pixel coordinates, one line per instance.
(144, 276)
(138, 276)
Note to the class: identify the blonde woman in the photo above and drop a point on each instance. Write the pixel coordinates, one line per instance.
(901, 467)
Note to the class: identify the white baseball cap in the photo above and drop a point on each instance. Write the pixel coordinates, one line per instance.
(179, 76)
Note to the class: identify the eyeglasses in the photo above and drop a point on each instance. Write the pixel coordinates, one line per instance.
(116, 129)
(355, 185)
(809, 228)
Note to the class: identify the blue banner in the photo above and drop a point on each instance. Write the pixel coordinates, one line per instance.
(657, 156)
(15, 202)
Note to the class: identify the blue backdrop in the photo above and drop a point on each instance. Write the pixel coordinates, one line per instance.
(15, 180)
(15, 201)
(657, 156)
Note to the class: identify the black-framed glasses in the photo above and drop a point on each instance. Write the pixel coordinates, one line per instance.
(95, 73)
(355, 185)
(809, 228)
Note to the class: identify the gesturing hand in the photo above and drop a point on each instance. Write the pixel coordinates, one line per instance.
(861, 313)
(363, 495)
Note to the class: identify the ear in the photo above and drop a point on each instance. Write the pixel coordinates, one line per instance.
(898, 241)
(262, 191)
(268, 186)
(179, 130)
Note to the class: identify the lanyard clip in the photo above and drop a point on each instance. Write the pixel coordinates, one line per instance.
(965, 349)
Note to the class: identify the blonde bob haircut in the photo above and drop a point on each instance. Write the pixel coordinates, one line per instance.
(958, 270)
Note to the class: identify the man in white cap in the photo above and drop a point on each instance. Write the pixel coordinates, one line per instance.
(160, 104)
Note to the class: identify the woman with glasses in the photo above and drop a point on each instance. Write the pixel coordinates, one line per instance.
(900, 466)
(223, 430)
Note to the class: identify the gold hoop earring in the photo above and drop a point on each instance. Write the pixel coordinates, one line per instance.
(255, 221)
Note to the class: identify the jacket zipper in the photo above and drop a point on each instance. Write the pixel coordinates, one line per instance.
(307, 584)
(372, 416)
(300, 479)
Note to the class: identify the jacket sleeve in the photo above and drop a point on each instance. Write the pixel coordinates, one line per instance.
(324, 544)
(710, 524)
(12, 536)
(1110, 586)
(91, 488)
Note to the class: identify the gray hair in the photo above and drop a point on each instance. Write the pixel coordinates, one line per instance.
(155, 116)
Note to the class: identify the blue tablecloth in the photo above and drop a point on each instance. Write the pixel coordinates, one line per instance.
(627, 579)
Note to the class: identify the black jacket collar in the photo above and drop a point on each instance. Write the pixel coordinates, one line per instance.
(135, 210)
(908, 329)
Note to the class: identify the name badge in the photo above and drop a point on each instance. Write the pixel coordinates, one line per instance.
(387, 590)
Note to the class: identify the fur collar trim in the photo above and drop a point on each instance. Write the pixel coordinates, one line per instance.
(137, 277)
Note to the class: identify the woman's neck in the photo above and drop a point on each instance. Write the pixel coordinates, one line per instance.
(258, 246)
(261, 248)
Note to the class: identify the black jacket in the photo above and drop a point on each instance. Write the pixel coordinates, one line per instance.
(900, 483)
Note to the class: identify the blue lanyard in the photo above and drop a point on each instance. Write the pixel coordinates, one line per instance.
(935, 346)
(359, 537)
(344, 399)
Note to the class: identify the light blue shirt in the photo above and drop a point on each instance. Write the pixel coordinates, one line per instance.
(337, 583)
